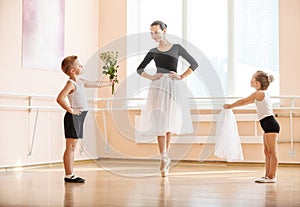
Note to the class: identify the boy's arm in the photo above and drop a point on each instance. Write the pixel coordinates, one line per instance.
(61, 98)
(96, 84)
(244, 101)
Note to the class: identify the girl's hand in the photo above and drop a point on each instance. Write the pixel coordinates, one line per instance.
(174, 76)
(157, 76)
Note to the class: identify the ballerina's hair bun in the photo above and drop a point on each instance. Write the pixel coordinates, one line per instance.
(160, 23)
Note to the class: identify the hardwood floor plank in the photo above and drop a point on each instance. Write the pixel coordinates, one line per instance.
(138, 183)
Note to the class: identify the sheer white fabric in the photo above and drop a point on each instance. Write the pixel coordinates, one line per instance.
(228, 144)
(167, 108)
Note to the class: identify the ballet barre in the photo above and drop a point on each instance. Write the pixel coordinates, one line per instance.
(129, 104)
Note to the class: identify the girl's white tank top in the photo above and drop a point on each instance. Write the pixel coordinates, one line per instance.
(264, 107)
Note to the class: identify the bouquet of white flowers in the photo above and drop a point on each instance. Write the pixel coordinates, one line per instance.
(111, 66)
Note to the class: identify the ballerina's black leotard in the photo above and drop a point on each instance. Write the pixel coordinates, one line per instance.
(167, 61)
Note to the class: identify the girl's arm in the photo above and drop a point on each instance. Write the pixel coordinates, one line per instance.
(244, 101)
(61, 98)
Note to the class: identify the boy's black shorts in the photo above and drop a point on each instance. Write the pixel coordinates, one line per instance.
(73, 125)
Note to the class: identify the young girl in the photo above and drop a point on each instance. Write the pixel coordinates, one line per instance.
(166, 110)
(261, 81)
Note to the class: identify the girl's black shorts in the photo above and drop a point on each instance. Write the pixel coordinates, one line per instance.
(73, 125)
(269, 125)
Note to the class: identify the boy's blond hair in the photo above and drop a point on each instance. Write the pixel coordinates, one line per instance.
(68, 63)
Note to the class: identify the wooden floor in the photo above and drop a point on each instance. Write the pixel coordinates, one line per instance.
(138, 183)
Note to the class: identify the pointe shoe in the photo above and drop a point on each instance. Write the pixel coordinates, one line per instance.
(164, 167)
(164, 173)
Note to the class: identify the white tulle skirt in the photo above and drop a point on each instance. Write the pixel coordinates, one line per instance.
(167, 109)
(228, 144)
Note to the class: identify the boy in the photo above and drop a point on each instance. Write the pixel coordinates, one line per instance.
(75, 111)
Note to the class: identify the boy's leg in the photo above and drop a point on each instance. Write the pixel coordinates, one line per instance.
(69, 155)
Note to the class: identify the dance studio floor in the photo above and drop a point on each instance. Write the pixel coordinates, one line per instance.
(137, 183)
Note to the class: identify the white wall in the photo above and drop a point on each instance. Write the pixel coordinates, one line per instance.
(17, 126)
(289, 46)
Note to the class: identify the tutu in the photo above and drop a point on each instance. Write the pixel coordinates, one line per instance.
(228, 144)
(166, 109)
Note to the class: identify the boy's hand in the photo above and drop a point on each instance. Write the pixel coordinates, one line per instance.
(76, 111)
(111, 82)
(226, 106)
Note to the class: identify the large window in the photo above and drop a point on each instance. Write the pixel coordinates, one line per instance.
(237, 36)
(256, 42)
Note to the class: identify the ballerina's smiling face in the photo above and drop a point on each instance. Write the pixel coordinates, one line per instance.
(157, 33)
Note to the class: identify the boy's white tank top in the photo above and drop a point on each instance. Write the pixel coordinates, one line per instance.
(78, 99)
(264, 107)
